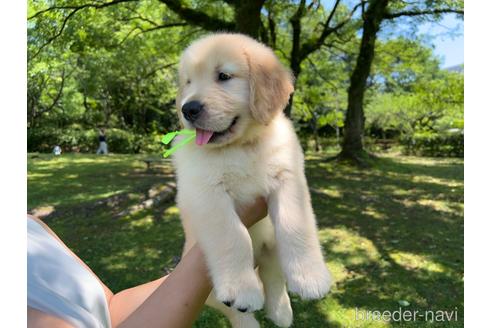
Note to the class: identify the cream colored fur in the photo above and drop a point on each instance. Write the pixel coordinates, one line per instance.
(261, 156)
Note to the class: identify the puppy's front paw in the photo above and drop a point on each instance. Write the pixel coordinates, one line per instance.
(310, 282)
(245, 295)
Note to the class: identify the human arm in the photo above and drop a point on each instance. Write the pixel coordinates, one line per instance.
(171, 301)
(175, 300)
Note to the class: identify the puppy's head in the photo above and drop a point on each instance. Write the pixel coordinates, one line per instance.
(228, 84)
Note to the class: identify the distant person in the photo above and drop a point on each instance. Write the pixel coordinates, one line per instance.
(103, 146)
(57, 150)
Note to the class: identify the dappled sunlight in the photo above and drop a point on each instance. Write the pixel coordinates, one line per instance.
(391, 236)
(436, 205)
(416, 262)
(145, 221)
(42, 211)
(88, 177)
(340, 314)
(35, 176)
(361, 84)
(71, 176)
(386, 235)
(172, 210)
(93, 197)
(402, 192)
(330, 192)
(119, 260)
(373, 212)
(349, 245)
(430, 179)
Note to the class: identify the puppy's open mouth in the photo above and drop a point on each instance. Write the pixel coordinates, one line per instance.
(205, 136)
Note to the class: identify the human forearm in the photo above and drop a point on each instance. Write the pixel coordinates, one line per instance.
(175, 300)
(179, 299)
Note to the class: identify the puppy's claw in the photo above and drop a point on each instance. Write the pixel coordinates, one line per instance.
(246, 296)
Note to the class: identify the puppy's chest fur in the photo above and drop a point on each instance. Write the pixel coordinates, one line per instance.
(247, 172)
(244, 172)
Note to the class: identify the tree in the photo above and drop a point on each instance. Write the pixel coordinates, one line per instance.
(123, 54)
(116, 72)
(300, 51)
(247, 18)
(377, 11)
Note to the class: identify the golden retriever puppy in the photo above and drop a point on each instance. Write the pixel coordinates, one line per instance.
(232, 91)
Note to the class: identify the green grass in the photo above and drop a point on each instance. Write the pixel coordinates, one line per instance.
(390, 233)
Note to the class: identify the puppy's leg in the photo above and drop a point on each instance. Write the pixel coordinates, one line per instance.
(227, 247)
(277, 301)
(289, 206)
(236, 318)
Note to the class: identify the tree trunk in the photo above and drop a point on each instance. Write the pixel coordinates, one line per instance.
(314, 126)
(352, 146)
(248, 17)
(295, 67)
(295, 53)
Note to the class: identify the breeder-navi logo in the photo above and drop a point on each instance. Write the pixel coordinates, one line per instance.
(401, 315)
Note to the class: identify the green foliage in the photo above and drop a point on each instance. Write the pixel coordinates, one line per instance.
(77, 139)
(450, 143)
(115, 67)
(115, 74)
(321, 96)
(416, 101)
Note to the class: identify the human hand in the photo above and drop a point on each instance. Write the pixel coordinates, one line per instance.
(254, 212)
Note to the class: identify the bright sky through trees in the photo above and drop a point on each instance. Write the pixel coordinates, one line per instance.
(449, 47)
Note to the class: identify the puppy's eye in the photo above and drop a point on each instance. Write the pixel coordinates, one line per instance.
(188, 81)
(224, 76)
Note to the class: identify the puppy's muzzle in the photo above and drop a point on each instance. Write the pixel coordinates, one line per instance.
(192, 110)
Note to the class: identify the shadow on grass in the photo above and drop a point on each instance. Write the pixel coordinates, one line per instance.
(400, 233)
(124, 251)
(392, 232)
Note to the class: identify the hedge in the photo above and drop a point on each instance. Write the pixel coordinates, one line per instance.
(444, 144)
(80, 140)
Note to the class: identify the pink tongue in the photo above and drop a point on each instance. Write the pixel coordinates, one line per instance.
(203, 136)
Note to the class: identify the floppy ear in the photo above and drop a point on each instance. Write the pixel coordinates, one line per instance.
(270, 86)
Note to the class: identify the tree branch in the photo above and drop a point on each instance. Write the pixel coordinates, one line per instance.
(51, 39)
(332, 13)
(74, 9)
(325, 79)
(423, 12)
(263, 34)
(139, 18)
(128, 35)
(155, 70)
(55, 99)
(197, 17)
(159, 27)
(314, 44)
(79, 7)
(272, 29)
(295, 21)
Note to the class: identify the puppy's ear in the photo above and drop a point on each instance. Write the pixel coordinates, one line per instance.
(271, 85)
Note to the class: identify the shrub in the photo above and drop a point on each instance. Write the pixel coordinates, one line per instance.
(449, 143)
(77, 139)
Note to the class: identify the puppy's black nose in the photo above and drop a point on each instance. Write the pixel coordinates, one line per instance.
(191, 110)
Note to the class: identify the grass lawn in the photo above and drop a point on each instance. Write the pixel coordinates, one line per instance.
(392, 234)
